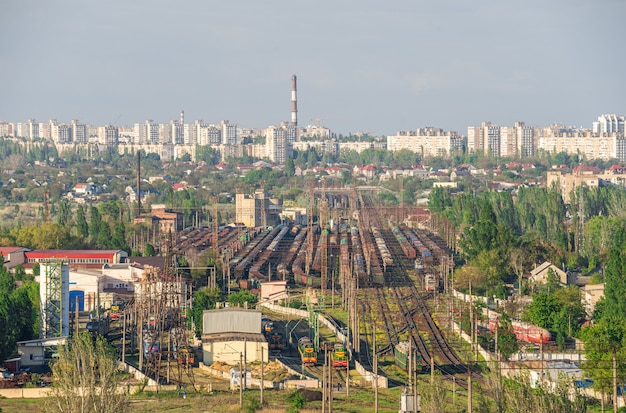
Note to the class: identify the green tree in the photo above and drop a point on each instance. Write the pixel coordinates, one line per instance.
(605, 344)
(149, 251)
(507, 342)
(290, 168)
(104, 235)
(242, 297)
(94, 224)
(65, 212)
(81, 223)
(86, 378)
(204, 299)
(615, 279)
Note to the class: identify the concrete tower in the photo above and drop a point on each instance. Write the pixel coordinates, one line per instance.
(294, 102)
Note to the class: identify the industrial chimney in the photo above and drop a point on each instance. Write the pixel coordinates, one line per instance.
(294, 102)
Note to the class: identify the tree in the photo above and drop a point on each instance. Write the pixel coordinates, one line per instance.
(290, 168)
(605, 342)
(245, 296)
(94, 223)
(615, 278)
(81, 223)
(507, 342)
(86, 378)
(204, 299)
(149, 251)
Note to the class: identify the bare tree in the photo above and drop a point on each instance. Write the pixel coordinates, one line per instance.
(86, 379)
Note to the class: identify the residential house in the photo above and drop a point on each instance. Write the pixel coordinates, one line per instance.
(540, 274)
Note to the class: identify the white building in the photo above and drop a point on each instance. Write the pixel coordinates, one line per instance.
(428, 142)
(609, 124)
(108, 135)
(229, 334)
(279, 142)
(229, 133)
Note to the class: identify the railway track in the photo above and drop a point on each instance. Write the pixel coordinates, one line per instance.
(414, 314)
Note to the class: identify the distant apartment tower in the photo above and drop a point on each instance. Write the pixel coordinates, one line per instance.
(491, 139)
(428, 142)
(229, 133)
(108, 135)
(475, 139)
(525, 139)
(79, 132)
(279, 142)
(249, 209)
(6, 129)
(148, 132)
(609, 124)
(62, 133)
(177, 132)
(209, 135)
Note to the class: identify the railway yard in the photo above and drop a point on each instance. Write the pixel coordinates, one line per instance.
(369, 271)
(374, 273)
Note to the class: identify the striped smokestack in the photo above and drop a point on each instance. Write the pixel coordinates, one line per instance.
(294, 102)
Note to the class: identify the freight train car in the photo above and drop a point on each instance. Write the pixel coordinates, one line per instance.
(431, 282)
(528, 333)
(401, 357)
(308, 355)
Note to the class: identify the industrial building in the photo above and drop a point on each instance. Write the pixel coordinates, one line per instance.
(257, 210)
(233, 334)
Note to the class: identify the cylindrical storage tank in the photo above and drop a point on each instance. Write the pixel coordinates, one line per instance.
(54, 294)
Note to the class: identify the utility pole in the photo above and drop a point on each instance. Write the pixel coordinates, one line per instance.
(375, 374)
(262, 376)
(469, 388)
(124, 336)
(240, 380)
(76, 316)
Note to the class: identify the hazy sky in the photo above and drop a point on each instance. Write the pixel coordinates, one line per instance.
(362, 65)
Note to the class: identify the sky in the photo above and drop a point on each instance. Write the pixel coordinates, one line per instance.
(362, 65)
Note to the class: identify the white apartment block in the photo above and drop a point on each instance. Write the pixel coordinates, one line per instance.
(609, 124)
(6, 129)
(428, 142)
(209, 135)
(592, 146)
(108, 135)
(79, 132)
(279, 142)
(229, 133)
(508, 141)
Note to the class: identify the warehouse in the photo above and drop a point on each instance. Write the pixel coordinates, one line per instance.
(231, 335)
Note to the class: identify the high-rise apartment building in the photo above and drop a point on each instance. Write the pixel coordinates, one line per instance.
(525, 140)
(108, 135)
(6, 129)
(79, 132)
(229, 133)
(279, 142)
(609, 124)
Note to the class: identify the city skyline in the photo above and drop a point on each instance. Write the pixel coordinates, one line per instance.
(361, 66)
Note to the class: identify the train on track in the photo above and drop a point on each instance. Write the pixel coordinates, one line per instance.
(431, 283)
(99, 327)
(528, 333)
(306, 348)
(401, 357)
(339, 355)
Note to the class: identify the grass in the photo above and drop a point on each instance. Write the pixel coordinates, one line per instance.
(360, 400)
